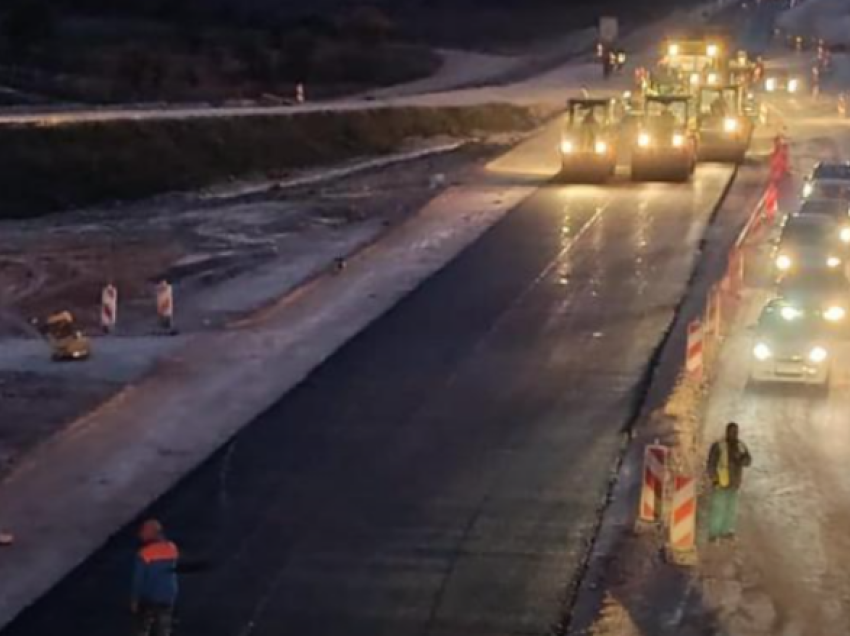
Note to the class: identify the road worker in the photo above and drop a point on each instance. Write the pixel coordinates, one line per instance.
(154, 586)
(726, 462)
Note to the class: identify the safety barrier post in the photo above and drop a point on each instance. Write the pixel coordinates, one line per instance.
(771, 202)
(165, 306)
(109, 308)
(655, 462)
(779, 159)
(681, 548)
(300, 97)
(694, 357)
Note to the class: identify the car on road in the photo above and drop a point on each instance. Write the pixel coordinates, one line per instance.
(589, 140)
(836, 209)
(828, 180)
(823, 294)
(663, 148)
(809, 243)
(790, 346)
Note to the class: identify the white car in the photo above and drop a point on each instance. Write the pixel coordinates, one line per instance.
(790, 346)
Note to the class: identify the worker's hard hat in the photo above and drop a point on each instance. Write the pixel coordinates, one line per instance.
(150, 530)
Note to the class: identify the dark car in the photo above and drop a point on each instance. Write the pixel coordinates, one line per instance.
(836, 209)
(823, 294)
(809, 243)
(828, 180)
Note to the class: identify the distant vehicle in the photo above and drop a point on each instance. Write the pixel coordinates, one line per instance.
(783, 81)
(828, 180)
(809, 243)
(695, 53)
(836, 209)
(790, 345)
(664, 148)
(823, 294)
(589, 140)
(724, 128)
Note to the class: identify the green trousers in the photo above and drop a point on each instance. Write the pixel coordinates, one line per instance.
(723, 513)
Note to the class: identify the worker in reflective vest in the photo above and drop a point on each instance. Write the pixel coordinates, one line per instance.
(726, 462)
(154, 589)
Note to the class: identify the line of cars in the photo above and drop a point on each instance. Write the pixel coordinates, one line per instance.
(797, 330)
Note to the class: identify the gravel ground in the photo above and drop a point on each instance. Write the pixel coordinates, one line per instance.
(226, 258)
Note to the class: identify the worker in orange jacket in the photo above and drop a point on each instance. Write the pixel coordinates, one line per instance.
(154, 585)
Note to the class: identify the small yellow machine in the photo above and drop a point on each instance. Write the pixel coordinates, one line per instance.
(66, 341)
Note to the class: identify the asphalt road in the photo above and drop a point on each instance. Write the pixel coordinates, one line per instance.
(440, 474)
(796, 499)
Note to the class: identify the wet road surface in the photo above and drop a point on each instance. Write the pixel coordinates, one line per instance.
(440, 474)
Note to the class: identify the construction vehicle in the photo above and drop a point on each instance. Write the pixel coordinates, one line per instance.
(664, 148)
(724, 129)
(589, 140)
(695, 53)
(747, 73)
(65, 340)
(779, 81)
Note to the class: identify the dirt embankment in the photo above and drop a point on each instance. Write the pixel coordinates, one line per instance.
(46, 169)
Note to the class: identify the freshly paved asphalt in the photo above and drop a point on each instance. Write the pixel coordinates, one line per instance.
(440, 474)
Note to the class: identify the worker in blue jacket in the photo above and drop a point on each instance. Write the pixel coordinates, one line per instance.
(154, 589)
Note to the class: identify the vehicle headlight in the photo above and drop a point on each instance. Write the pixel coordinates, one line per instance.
(678, 140)
(817, 355)
(835, 314)
(566, 147)
(790, 313)
(833, 262)
(712, 78)
(730, 124)
(621, 58)
(644, 140)
(712, 50)
(845, 235)
(673, 50)
(808, 188)
(793, 85)
(601, 147)
(784, 262)
(761, 351)
(770, 84)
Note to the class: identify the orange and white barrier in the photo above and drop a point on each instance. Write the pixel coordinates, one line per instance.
(109, 308)
(694, 357)
(654, 475)
(713, 311)
(771, 202)
(683, 517)
(779, 160)
(165, 305)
